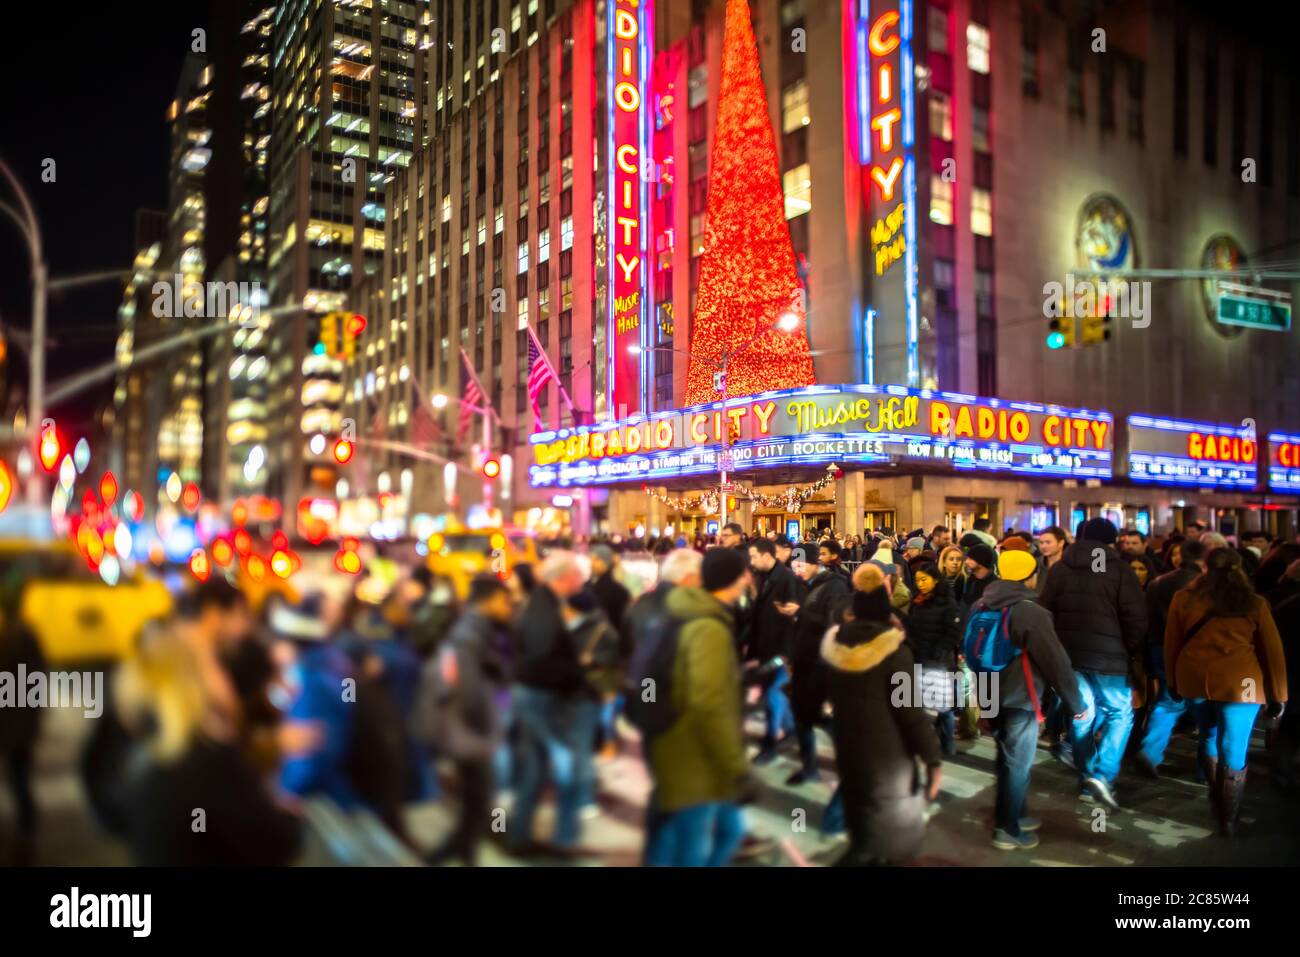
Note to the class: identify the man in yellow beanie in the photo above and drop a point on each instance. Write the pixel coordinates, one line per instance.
(1015, 723)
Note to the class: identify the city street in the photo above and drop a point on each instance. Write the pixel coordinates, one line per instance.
(1165, 823)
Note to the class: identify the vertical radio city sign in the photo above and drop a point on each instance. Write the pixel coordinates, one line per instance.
(886, 143)
(629, 35)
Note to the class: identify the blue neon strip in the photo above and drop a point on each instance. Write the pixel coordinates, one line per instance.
(647, 227)
(907, 71)
(871, 345)
(910, 280)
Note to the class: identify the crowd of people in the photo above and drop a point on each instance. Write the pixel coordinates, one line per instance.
(379, 693)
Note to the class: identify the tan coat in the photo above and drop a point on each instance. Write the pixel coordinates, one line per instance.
(1228, 659)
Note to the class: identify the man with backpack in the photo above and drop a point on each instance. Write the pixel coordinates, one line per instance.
(1100, 613)
(698, 761)
(554, 709)
(1009, 634)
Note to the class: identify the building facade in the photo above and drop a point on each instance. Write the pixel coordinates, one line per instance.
(954, 175)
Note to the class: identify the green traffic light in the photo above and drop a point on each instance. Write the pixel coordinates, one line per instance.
(1055, 340)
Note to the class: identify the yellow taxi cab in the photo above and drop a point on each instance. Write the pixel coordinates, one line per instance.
(73, 613)
(460, 554)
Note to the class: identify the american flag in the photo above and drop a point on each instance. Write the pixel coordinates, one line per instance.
(424, 430)
(472, 398)
(539, 374)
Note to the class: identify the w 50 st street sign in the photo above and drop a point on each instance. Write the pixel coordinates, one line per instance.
(1254, 307)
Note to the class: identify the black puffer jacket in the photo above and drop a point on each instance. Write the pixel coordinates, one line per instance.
(1101, 615)
(934, 629)
(877, 743)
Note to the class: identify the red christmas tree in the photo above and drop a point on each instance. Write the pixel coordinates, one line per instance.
(747, 269)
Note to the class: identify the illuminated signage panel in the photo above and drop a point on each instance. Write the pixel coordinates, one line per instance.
(629, 36)
(1176, 452)
(817, 425)
(1284, 462)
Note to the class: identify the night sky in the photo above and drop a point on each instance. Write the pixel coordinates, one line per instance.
(98, 109)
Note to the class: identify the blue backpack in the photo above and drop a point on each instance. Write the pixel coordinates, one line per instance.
(988, 646)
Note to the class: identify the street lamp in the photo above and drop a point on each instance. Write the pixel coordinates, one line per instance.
(439, 401)
(787, 322)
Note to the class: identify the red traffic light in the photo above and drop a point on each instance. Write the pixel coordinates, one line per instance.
(491, 468)
(343, 451)
(356, 325)
(108, 489)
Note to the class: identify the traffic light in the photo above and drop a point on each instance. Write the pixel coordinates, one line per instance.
(6, 485)
(343, 450)
(354, 324)
(491, 468)
(329, 334)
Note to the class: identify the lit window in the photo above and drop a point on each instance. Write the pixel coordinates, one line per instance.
(523, 312)
(981, 212)
(446, 208)
(977, 47)
(938, 30)
(523, 257)
(794, 106)
(940, 200)
(941, 115)
(566, 233)
(482, 230)
(500, 224)
(698, 84)
(979, 128)
(544, 246)
(798, 190)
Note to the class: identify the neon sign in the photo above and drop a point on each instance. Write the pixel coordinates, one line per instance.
(1176, 452)
(886, 127)
(1284, 462)
(817, 425)
(628, 37)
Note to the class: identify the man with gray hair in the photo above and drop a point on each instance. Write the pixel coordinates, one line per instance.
(679, 567)
(555, 713)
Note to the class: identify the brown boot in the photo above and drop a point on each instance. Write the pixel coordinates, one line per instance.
(1210, 767)
(1232, 787)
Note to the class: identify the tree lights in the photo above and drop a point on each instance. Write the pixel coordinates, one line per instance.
(747, 269)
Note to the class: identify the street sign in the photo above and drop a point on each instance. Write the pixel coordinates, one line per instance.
(719, 381)
(1254, 308)
(726, 488)
(726, 462)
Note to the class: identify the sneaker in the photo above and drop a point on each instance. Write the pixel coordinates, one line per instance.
(803, 776)
(1102, 792)
(765, 756)
(1086, 795)
(1030, 824)
(1063, 751)
(1014, 842)
(1147, 768)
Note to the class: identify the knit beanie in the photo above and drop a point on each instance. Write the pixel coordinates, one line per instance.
(721, 568)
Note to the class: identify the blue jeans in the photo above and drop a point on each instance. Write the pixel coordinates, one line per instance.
(1016, 732)
(706, 835)
(776, 706)
(1100, 738)
(1164, 713)
(945, 725)
(1225, 730)
(555, 732)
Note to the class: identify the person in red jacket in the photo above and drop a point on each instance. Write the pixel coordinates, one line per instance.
(1223, 654)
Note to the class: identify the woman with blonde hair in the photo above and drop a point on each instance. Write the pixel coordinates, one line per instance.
(194, 798)
(952, 565)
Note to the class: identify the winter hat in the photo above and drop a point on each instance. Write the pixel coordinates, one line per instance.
(884, 559)
(970, 540)
(1016, 565)
(1014, 543)
(981, 554)
(1100, 530)
(722, 567)
(917, 543)
(604, 553)
(872, 605)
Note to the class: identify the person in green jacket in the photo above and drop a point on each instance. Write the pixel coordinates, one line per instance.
(698, 764)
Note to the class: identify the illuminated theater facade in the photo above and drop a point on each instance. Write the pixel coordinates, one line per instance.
(939, 397)
(963, 186)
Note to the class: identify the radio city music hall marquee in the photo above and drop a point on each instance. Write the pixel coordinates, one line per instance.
(1178, 452)
(817, 425)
